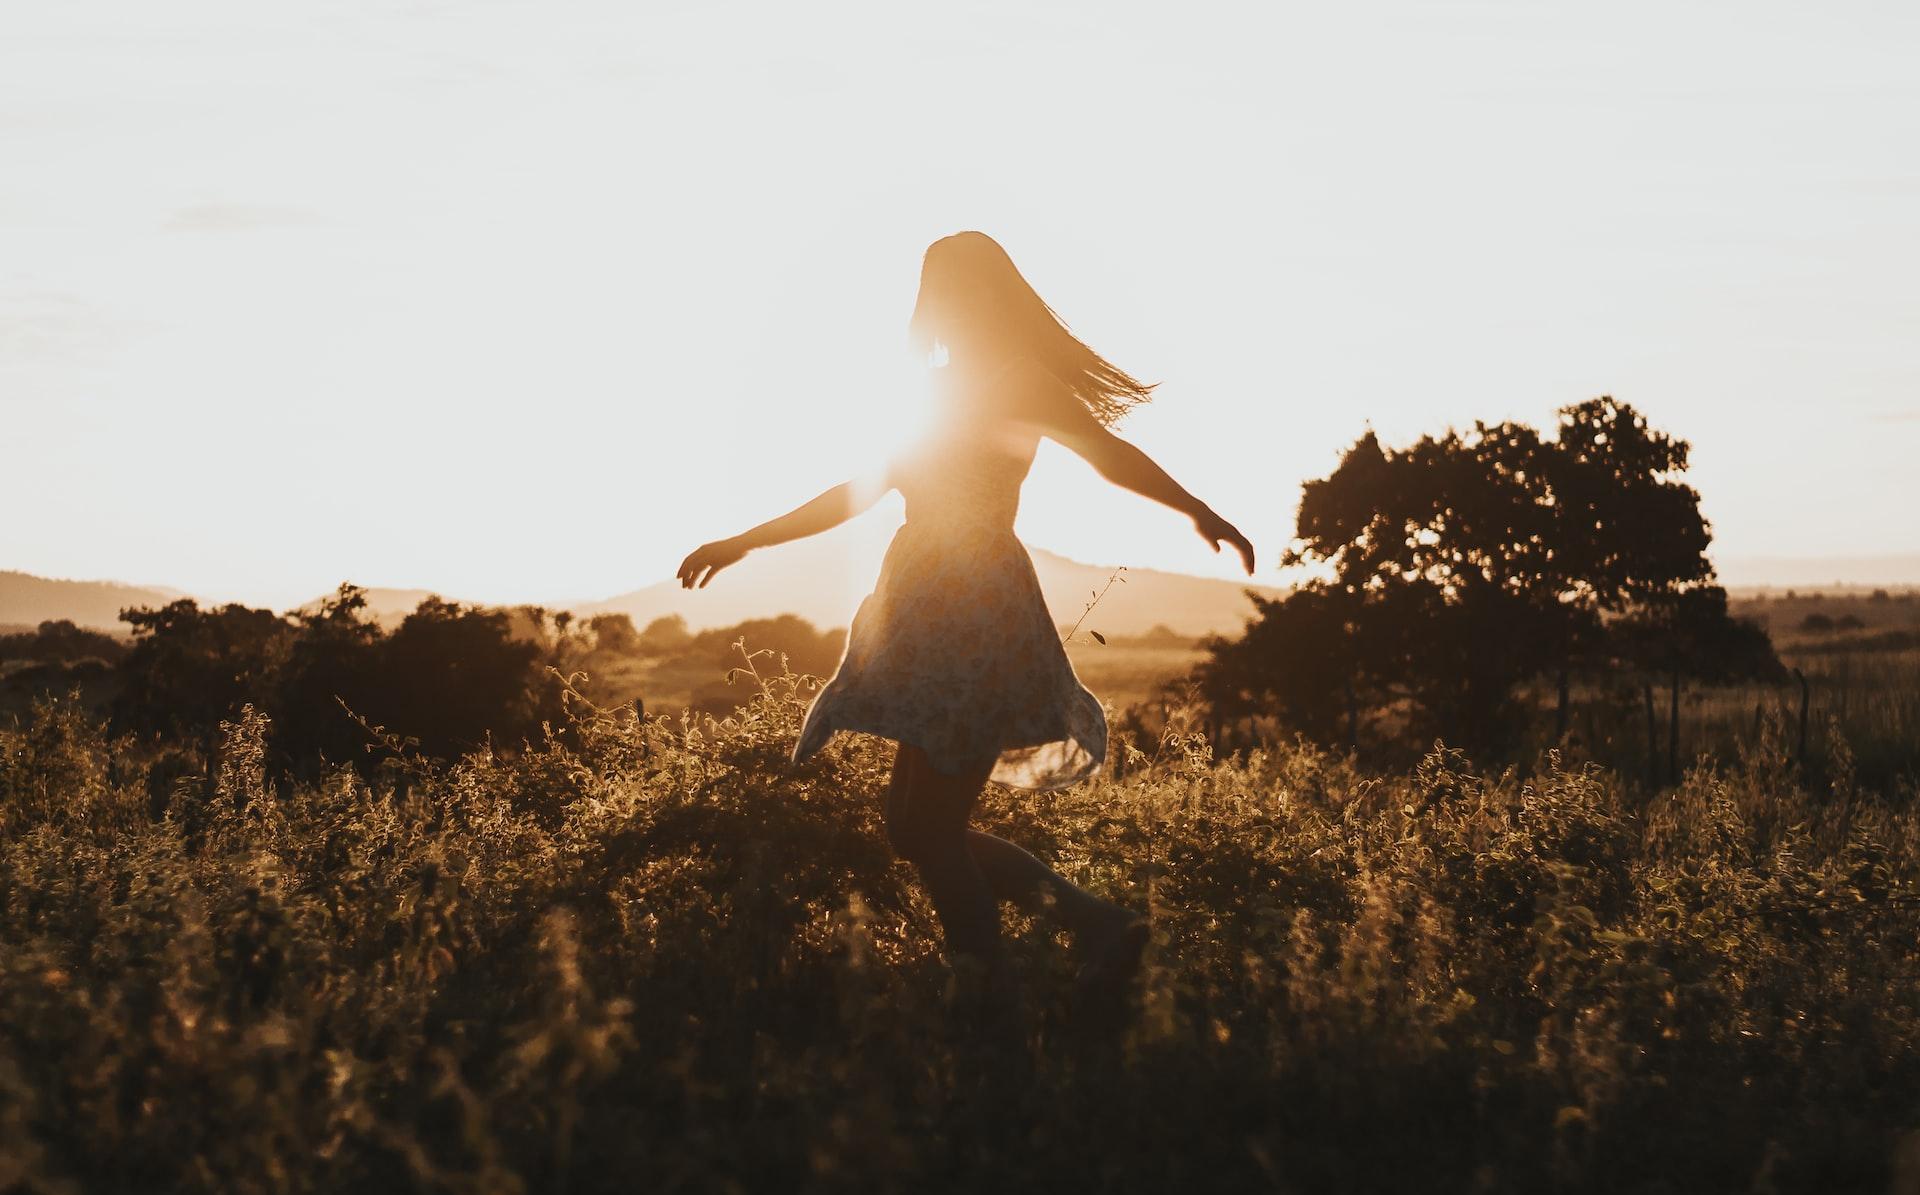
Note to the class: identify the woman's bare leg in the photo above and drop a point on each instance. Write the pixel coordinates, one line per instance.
(927, 815)
(927, 812)
(1015, 875)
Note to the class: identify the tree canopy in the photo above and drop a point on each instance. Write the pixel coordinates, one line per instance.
(1453, 570)
(449, 677)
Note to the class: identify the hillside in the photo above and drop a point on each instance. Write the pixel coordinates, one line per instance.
(27, 600)
(823, 579)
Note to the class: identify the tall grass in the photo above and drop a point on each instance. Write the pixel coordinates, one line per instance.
(653, 956)
(1862, 715)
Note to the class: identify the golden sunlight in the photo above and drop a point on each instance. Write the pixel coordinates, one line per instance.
(757, 596)
(899, 414)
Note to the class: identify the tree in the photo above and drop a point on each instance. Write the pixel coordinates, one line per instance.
(190, 669)
(1462, 566)
(1689, 634)
(333, 660)
(454, 677)
(665, 635)
(1296, 654)
(614, 634)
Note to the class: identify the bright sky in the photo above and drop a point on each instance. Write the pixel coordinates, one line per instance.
(522, 301)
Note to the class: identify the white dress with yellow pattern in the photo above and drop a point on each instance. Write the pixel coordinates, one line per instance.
(954, 650)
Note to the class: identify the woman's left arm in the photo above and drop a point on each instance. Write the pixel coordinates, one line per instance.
(1059, 414)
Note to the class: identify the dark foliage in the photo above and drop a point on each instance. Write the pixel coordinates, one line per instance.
(448, 679)
(1819, 623)
(643, 957)
(614, 633)
(1469, 563)
(190, 669)
(1689, 634)
(61, 642)
(452, 676)
(664, 636)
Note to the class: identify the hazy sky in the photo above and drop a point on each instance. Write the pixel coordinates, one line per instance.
(522, 301)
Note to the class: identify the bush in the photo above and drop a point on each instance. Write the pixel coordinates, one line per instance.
(334, 684)
(649, 955)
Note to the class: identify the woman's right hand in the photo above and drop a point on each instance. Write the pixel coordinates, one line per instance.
(704, 561)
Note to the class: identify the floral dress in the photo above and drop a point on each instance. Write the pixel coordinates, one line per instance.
(954, 650)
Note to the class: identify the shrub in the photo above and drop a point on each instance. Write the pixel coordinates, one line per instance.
(648, 954)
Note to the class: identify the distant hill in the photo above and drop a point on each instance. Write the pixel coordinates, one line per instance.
(1813, 572)
(28, 601)
(823, 580)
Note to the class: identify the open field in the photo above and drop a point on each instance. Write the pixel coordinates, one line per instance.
(1124, 674)
(650, 957)
(1121, 672)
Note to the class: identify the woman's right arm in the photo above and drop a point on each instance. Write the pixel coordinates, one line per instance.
(828, 510)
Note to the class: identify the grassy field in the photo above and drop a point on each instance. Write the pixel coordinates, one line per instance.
(1120, 672)
(1123, 673)
(652, 957)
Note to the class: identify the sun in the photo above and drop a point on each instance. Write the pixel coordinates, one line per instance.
(894, 413)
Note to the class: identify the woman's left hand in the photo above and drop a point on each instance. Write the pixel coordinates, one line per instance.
(1216, 531)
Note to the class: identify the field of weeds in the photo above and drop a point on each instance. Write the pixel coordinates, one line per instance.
(655, 957)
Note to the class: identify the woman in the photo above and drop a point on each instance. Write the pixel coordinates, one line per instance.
(954, 655)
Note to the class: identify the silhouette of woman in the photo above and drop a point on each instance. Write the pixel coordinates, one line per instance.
(954, 655)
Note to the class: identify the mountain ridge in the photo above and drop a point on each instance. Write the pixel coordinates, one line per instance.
(823, 580)
(29, 600)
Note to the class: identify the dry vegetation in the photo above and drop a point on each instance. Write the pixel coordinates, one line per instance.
(650, 956)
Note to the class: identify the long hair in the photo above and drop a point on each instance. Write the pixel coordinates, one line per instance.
(967, 280)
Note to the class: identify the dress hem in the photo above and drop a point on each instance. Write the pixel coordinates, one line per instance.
(814, 736)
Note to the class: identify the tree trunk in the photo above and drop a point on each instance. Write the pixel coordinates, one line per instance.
(1673, 728)
(1353, 721)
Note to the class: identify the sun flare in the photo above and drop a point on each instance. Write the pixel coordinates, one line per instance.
(893, 419)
